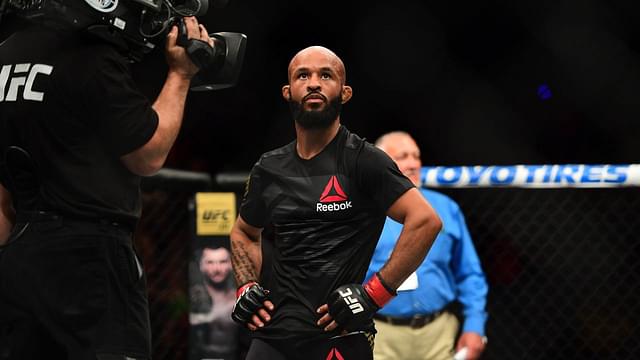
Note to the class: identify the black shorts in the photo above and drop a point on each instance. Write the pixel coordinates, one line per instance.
(355, 346)
(73, 290)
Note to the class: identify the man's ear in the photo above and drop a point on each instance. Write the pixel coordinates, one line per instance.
(286, 92)
(347, 93)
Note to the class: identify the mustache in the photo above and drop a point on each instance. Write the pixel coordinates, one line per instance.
(314, 93)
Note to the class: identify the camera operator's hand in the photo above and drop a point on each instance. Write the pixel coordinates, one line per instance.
(177, 57)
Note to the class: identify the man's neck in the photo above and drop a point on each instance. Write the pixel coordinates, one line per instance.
(310, 142)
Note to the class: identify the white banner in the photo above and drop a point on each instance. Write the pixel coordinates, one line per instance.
(532, 176)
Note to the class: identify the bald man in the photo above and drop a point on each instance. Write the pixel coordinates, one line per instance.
(326, 195)
(425, 329)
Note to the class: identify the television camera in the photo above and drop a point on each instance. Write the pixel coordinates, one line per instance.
(132, 25)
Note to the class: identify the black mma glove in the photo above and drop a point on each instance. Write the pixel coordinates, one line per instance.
(352, 306)
(250, 297)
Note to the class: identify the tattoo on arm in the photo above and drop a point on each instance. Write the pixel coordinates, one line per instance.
(242, 265)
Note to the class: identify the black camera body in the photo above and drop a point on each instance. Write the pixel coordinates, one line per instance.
(132, 24)
(219, 64)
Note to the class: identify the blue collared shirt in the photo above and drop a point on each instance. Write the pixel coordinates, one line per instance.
(451, 270)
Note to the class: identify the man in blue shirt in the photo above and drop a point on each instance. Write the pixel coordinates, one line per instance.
(416, 325)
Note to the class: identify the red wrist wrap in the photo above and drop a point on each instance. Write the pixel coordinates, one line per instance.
(243, 287)
(377, 291)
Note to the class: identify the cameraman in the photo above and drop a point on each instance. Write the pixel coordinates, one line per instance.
(71, 285)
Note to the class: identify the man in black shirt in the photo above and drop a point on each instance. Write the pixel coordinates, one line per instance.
(326, 196)
(76, 135)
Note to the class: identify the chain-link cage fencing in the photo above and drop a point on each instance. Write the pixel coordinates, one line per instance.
(562, 266)
(563, 270)
(163, 241)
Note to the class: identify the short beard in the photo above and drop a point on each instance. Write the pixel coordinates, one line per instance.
(316, 119)
(223, 285)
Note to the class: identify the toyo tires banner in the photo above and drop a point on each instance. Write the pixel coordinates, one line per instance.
(534, 176)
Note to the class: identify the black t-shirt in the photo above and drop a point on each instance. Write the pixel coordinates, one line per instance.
(327, 214)
(71, 103)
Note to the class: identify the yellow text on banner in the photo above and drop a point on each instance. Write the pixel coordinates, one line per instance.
(216, 213)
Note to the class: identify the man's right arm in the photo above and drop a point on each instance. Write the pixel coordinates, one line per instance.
(170, 103)
(6, 214)
(252, 306)
(246, 251)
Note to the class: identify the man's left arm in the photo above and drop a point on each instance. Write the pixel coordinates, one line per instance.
(7, 214)
(169, 106)
(379, 176)
(472, 291)
(421, 225)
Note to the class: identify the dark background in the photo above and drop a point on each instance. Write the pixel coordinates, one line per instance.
(476, 82)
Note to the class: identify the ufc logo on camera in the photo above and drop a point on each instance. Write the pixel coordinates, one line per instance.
(13, 78)
(353, 303)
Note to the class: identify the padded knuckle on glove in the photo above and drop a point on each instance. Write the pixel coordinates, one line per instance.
(248, 304)
(351, 307)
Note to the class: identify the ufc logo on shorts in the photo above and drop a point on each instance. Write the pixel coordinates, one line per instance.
(353, 303)
(14, 78)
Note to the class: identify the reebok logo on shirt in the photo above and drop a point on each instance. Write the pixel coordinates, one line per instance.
(334, 354)
(333, 197)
